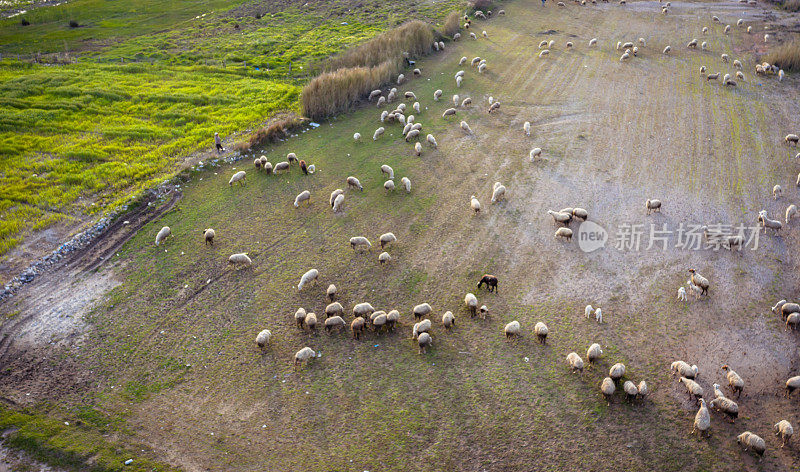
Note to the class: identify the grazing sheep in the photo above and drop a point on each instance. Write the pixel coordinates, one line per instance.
(692, 387)
(498, 193)
(449, 112)
(473, 36)
(386, 239)
(594, 353)
(163, 234)
(575, 362)
(360, 241)
(726, 406)
(704, 45)
(560, 217)
(749, 30)
(653, 205)
(526, 127)
(378, 133)
(681, 294)
(752, 441)
(311, 322)
(783, 429)
(406, 183)
(385, 169)
(240, 260)
(544, 53)
(624, 57)
(432, 141)
(331, 292)
(569, 44)
(334, 309)
(381, 101)
(494, 106)
(334, 322)
(684, 369)
(375, 93)
(713, 76)
(414, 133)
(739, 75)
(780, 75)
(300, 317)
(727, 29)
(363, 310)
(642, 388)
(357, 327)
(607, 388)
(304, 196)
(424, 342)
(792, 384)
(774, 225)
(535, 153)
(400, 79)
(736, 383)
(580, 214)
(338, 203)
(790, 139)
(593, 42)
(541, 332)
(766, 38)
(303, 355)
(208, 236)
(617, 371)
(262, 339)
(472, 304)
(667, 49)
(422, 310)
(475, 204)
(702, 420)
(792, 320)
(700, 281)
(448, 320)
(422, 327)
(353, 182)
(631, 392)
(238, 177)
(490, 281)
(485, 35)
(391, 319)
(389, 185)
(335, 194)
(565, 233)
(512, 329)
(483, 311)
(465, 127)
(267, 166)
(308, 277)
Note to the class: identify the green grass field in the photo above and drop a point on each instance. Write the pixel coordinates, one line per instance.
(80, 138)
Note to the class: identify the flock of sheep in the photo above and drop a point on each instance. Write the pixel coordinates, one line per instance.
(366, 317)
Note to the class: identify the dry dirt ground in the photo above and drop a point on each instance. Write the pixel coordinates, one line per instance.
(170, 349)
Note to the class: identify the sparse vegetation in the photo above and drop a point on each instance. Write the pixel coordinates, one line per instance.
(791, 5)
(786, 56)
(452, 24)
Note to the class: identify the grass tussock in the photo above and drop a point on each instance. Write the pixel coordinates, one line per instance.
(791, 5)
(453, 23)
(482, 5)
(353, 74)
(277, 130)
(786, 56)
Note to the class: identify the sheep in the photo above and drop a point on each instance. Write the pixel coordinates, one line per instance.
(594, 353)
(631, 392)
(310, 276)
(163, 234)
(752, 441)
(240, 260)
(569, 44)
(749, 30)
(490, 281)
(257, 163)
(262, 338)
(501, 12)
(334, 195)
(311, 322)
(413, 133)
(705, 29)
(713, 76)
(466, 102)
(588, 311)
(607, 388)
(702, 70)
(499, 193)
(580, 214)
(375, 93)
(725, 58)
(593, 42)
(334, 322)
(726, 406)
(700, 281)
(624, 57)
(575, 362)
(465, 127)
(561, 4)
(357, 327)
(774, 225)
(692, 44)
(693, 388)
(378, 320)
(483, 311)
(541, 332)
(422, 327)
(667, 50)
(304, 196)
(642, 388)
(766, 38)
(388, 186)
(715, 18)
(544, 53)
(334, 309)
(792, 384)
(353, 182)
(727, 29)
(783, 429)
(790, 139)
(565, 233)
(559, 217)
(535, 153)
(473, 36)
(617, 371)
(363, 310)
(780, 75)
(792, 320)
(391, 319)
(448, 320)
(300, 317)
(238, 177)
(400, 79)
(381, 102)
(459, 79)
(702, 420)
(449, 112)
(303, 355)
(424, 342)
(360, 241)
(704, 45)
(726, 78)
(208, 236)
(472, 304)
(416, 107)
(736, 383)
(406, 183)
(422, 310)
(653, 205)
(485, 35)
(512, 329)
(338, 203)
(378, 133)
(330, 293)
(681, 294)
(739, 75)
(684, 369)
(267, 166)
(475, 204)
(494, 106)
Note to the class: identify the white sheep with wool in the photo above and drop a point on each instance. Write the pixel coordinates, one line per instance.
(378, 133)
(418, 149)
(381, 101)
(425, 340)
(262, 338)
(512, 329)
(472, 304)
(163, 234)
(353, 182)
(681, 294)
(432, 141)
(311, 276)
(465, 127)
(475, 204)
(535, 153)
(785, 430)
(541, 331)
(499, 193)
(575, 362)
(607, 388)
(595, 352)
(384, 257)
(414, 133)
(387, 239)
(702, 419)
(421, 327)
(754, 442)
(334, 309)
(448, 320)
(240, 260)
(422, 310)
(416, 107)
(734, 380)
(667, 50)
(449, 112)
(463, 61)
(386, 169)
(526, 127)
(617, 371)
(238, 177)
(304, 196)
(693, 388)
(304, 355)
(338, 203)
(361, 243)
(684, 369)
(406, 183)
(473, 36)
(631, 392)
(388, 186)
(543, 53)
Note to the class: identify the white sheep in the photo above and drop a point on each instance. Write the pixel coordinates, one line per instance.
(338, 203)
(653, 205)
(499, 193)
(335, 194)
(418, 149)
(473, 36)
(437, 95)
(406, 183)
(565, 233)
(594, 353)
(777, 192)
(475, 204)
(388, 185)
(541, 332)
(300, 317)
(400, 79)
(425, 340)
(375, 93)
(378, 133)
(512, 329)
(702, 419)
(239, 260)
(448, 320)
(422, 310)
(331, 292)
(463, 61)
(353, 182)
(466, 102)
(734, 380)
(416, 107)
(238, 177)
(485, 35)
(684, 369)
(754, 442)
(387, 239)
(526, 127)
(535, 153)
(784, 429)
(607, 388)
(575, 362)
(163, 234)
(308, 277)
(385, 169)
(449, 112)
(384, 257)
(617, 371)
(681, 294)
(303, 355)
(360, 242)
(631, 392)
(262, 339)
(667, 50)
(432, 141)
(544, 53)
(780, 75)
(593, 42)
(304, 196)
(465, 127)
(458, 81)
(381, 101)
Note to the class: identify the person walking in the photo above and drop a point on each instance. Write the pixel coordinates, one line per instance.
(218, 142)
